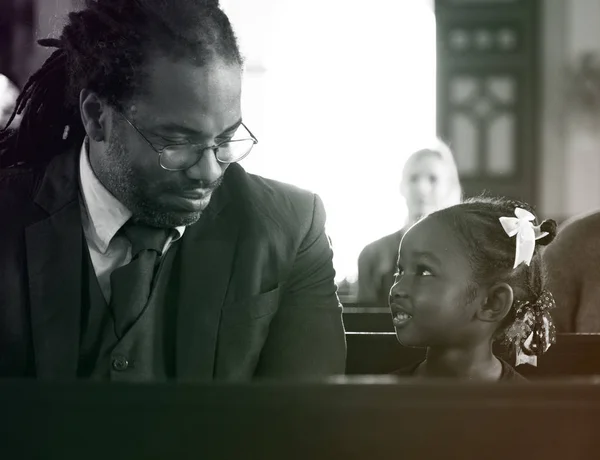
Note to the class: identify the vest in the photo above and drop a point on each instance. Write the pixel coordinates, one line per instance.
(146, 352)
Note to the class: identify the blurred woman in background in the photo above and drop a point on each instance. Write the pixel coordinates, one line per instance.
(429, 182)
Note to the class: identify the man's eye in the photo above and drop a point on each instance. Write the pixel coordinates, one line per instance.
(165, 141)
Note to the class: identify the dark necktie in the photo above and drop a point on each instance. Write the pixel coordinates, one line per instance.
(131, 284)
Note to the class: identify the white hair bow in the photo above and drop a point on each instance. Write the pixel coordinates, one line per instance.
(526, 232)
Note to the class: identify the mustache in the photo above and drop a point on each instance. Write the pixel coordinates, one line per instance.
(202, 185)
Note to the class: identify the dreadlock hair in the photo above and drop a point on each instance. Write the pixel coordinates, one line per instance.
(491, 252)
(103, 48)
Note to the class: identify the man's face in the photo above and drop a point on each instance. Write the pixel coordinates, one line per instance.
(180, 103)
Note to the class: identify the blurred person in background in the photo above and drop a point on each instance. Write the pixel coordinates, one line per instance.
(8, 100)
(429, 183)
(572, 264)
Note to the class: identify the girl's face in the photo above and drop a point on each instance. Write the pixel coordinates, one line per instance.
(434, 298)
(425, 184)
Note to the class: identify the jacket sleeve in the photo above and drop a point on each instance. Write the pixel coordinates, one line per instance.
(306, 337)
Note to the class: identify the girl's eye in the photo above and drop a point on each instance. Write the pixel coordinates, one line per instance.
(423, 271)
(399, 272)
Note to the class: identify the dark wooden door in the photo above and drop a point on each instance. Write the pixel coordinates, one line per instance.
(6, 33)
(487, 83)
(16, 38)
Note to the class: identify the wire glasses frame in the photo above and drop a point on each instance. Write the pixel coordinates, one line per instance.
(178, 157)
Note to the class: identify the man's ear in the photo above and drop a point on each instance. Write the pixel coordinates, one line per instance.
(497, 304)
(94, 115)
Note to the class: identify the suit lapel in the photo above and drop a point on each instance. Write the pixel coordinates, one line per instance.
(207, 256)
(54, 261)
(54, 258)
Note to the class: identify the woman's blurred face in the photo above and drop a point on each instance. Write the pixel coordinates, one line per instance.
(426, 185)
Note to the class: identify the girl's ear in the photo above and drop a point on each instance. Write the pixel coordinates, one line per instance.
(497, 304)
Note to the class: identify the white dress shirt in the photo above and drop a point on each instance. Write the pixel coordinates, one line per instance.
(102, 216)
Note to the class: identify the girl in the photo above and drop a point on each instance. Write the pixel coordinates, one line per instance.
(468, 275)
(429, 182)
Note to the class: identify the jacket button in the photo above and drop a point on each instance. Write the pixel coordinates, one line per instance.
(120, 363)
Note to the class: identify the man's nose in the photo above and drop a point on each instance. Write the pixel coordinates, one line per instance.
(207, 169)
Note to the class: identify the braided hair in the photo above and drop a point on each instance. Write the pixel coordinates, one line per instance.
(491, 253)
(103, 48)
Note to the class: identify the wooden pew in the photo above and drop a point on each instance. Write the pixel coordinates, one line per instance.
(362, 318)
(348, 421)
(380, 353)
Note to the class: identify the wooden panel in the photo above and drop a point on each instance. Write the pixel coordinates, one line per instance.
(380, 353)
(487, 93)
(6, 31)
(354, 419)
(367, 319)
(16, 38)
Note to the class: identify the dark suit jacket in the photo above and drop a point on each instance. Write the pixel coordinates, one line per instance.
(573, 265)
(255, 297)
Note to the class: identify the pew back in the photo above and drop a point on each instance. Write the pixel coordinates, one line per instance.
(311, 421)
(367, 319)
(380, 353)
(373, 348)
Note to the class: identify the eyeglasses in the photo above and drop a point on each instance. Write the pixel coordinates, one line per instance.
(178, 157)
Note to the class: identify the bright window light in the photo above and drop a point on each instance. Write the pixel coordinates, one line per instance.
(339, 93)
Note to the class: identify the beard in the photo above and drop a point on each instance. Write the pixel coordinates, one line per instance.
(130, 185)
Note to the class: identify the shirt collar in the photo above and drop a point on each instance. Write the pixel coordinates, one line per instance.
(105, 214)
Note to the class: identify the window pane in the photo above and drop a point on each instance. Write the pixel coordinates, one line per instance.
(501, 145)
(348, 93)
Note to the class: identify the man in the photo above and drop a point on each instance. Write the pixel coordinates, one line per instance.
(132, 246)
(572, 261)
